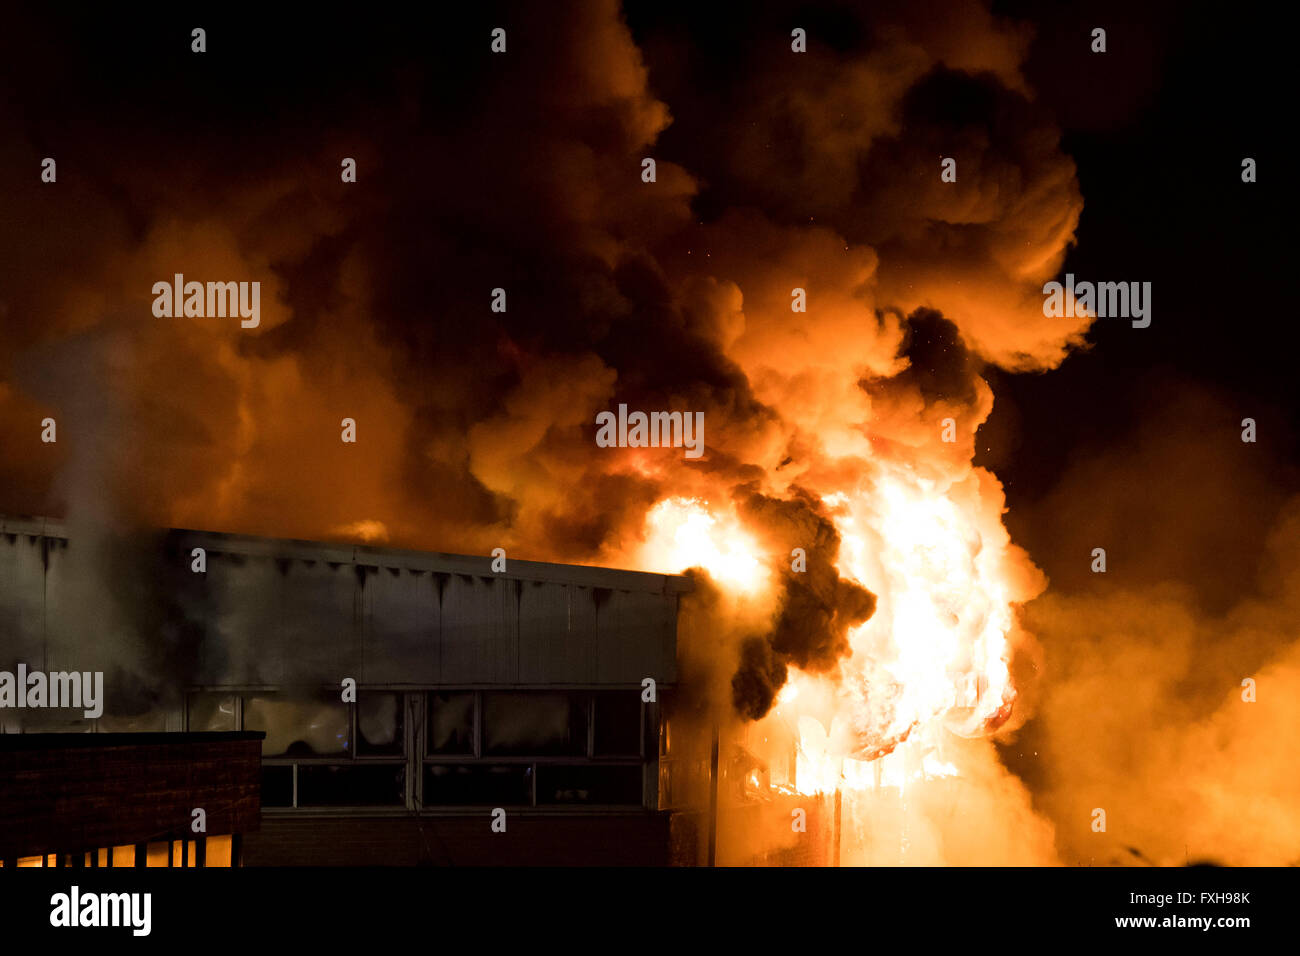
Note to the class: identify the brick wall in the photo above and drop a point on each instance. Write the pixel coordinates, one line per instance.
(67, 792)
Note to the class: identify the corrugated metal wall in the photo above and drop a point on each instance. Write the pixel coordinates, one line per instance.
(279, 613)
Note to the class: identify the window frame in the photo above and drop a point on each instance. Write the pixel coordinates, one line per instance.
(644, 760)
(415, 716)
(350, 759)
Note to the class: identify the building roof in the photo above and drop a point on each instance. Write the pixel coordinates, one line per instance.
(369, 556)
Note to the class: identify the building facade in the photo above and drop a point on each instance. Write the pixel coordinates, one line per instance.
(418, 708)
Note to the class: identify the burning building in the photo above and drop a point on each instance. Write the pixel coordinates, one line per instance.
(401, 697)
(405, 697)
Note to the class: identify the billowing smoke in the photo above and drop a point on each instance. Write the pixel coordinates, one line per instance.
(474, 425)
(1164, 685)
(816, 606)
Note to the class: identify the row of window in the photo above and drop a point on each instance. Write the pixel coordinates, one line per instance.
(451, 785)
(458, 723)
(478, 748)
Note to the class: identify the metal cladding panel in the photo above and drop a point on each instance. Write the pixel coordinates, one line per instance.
(402, 627)
(269, 612)
(557, 634)
(480, 630)
(239, 643)
(318, 631)
(78, 615)
(635, 636)
(22, 605)
(280, 621)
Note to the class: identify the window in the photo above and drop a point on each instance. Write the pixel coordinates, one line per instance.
(152, 722)
(213, 712)
(318, 750)
(451, 723)
(533, 724)
(618, 724)
(684, 762)
(359, 785)
(589, 784)
(379, 725)
(315, 726)
(478, 785)
(277, 785)
(534, 748)
(471, 748)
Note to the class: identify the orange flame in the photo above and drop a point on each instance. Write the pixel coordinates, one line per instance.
(933, 659)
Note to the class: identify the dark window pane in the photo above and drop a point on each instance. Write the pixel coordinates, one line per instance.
(299, 726)
(212, 712)
(277, 786)
(451, 723)
(613, 785)
(531, 724)
(501, 786)
(379, 724)
(354, 785)
(46, 721)
(152, 722)
(618, 723)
